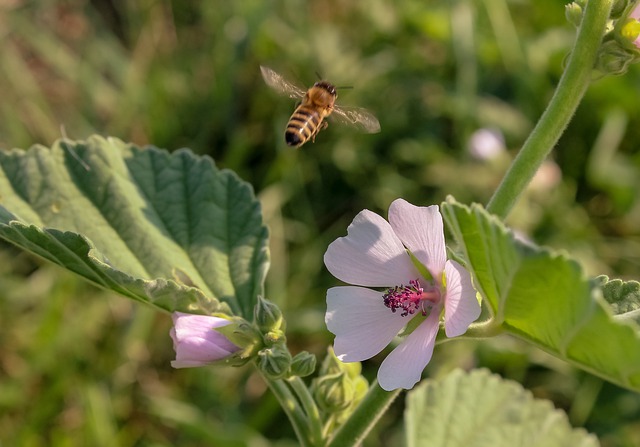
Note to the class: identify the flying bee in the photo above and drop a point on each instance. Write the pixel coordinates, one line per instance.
(317, 103)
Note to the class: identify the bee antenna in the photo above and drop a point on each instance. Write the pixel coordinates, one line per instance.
(318, 75)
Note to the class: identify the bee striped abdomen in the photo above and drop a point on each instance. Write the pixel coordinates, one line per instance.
(303, 125)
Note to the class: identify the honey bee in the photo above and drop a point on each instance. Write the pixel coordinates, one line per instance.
(317, 103)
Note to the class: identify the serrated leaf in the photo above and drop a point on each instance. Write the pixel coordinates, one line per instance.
(479, 409)
(545, 298)
(168, 229)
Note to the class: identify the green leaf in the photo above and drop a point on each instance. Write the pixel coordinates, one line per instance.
(622, 296)
(545, 298)
(479, 409)
(168, 229)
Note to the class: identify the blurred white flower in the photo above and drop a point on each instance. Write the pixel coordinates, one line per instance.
(486, 144)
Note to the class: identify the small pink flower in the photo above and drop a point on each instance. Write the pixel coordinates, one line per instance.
(375, 254)
(196, 341)
(486, 144)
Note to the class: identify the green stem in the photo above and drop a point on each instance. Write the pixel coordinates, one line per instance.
(314, 422)
(292, 409)
(372, 407)
(571, 88)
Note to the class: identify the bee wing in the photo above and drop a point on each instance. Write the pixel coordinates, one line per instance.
(358, 117)
(280, 84)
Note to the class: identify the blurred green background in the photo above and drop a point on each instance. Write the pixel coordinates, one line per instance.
(79, 366)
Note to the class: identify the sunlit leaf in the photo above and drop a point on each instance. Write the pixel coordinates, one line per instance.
(168, 229)
(545, 298)
(480, 409)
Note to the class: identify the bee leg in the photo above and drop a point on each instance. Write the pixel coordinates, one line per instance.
(322, 126)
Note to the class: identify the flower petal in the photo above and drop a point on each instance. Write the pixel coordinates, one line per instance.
(361, 322)
(199, 352)
(461, 306)
(403, 367)
(421, 230)
(370, 255)
(196, 323)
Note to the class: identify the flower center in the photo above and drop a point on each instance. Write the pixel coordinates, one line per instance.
(411, 298)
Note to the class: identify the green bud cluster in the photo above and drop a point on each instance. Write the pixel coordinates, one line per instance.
(618, 49)
(338, 389)
(274, 359)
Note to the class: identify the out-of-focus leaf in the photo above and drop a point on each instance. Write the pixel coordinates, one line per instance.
(545, 298)
(480, 409)
(168, 229)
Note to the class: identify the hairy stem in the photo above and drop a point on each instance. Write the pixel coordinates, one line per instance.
(372, 407)
(571, 88)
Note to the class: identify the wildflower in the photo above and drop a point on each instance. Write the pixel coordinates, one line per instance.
(197, 342)
(547, 178)
(381, 254)
(486, 144)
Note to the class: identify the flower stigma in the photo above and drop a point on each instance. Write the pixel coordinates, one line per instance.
(412, 298)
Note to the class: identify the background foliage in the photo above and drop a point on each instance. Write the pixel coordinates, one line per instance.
(79, 367)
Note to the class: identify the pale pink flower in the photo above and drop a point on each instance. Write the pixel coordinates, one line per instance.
(486, 144)
(196, 341)
(375, 254)
(547, 177)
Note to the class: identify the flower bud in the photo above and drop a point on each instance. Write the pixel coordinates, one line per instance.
(353, 369)
(244, 335)
(613, 58)
(268, 316)
(619, 7)
(274, 362)
(303, 364)
(274, 337)
(573, 13)
(331, 364)
(360, 388)
(198, 342)
(333, 393)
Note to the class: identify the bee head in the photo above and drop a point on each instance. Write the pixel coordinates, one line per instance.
(326, 86)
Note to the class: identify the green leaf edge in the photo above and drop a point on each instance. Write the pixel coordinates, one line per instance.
(598, 310)
(163, 293)
(519, 397)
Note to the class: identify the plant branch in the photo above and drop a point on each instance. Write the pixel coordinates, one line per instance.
(571, 88)
(372, 407)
